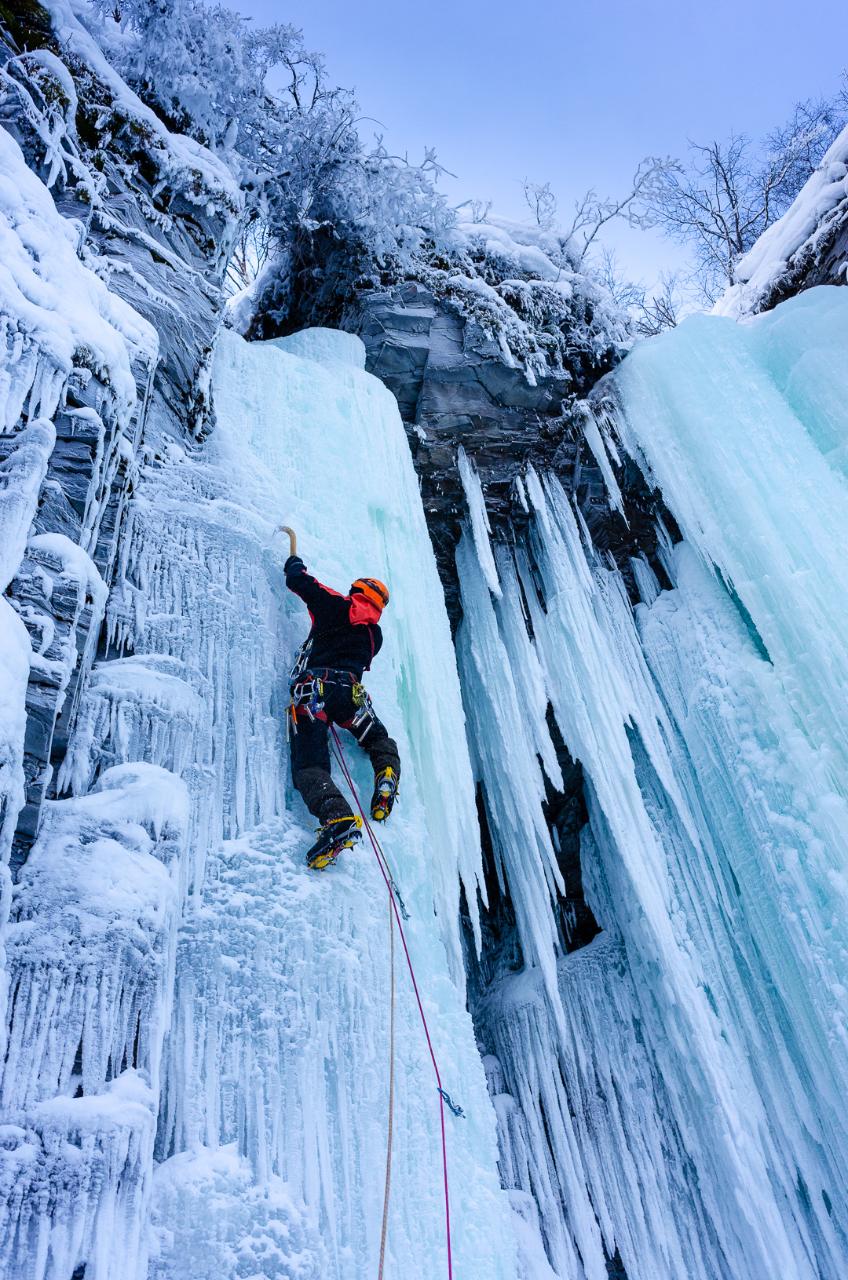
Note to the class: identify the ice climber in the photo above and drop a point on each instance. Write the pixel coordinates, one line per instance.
(327, 689)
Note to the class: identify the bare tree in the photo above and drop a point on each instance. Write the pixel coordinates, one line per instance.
(797, 147)
(637, 207)
(253, 246)
(573, 244)
(541, 202)
(730, 192)
(660, 308)
(480, 210)
(628, 295)
(650, 310)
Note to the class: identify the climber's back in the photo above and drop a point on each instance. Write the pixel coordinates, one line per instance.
(345, 634)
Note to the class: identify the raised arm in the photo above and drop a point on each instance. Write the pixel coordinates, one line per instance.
(323, 603)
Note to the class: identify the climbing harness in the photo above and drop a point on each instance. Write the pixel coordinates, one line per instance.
(307, 691)
(309, 694)
(365, 718)
(444, 1097)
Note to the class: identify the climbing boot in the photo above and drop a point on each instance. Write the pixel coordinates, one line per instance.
(335, 835)
(385, 793)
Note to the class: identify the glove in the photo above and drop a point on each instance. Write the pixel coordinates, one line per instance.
(294, 564)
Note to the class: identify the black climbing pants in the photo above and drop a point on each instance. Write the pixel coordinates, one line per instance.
(310, 747)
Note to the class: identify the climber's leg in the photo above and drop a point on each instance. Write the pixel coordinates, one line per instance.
(373, 736)
(381, 750)
(310, 756)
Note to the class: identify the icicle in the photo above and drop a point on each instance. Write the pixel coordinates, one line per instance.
(480, 526)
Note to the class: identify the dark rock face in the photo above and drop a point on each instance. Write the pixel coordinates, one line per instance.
(454, 386)
(822, 260)
(566, 814)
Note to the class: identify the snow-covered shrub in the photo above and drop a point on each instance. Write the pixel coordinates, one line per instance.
(84, 128)
(201, 66)
(521, 285)
(260, 99)
(336, 213)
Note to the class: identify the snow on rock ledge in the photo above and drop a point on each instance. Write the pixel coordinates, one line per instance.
(198, 174)
(52, 307)
(811, 227)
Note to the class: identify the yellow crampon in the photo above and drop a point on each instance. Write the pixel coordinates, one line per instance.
(328, 846)
(385, 793)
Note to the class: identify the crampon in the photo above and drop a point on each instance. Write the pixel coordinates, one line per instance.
(333, 837)
(385, 794)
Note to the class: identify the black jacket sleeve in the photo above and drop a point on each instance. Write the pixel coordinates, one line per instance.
(323, 603)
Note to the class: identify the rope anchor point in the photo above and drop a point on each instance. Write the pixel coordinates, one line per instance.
(452, 1106)
(396, 892)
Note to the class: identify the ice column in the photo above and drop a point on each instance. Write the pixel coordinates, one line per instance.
(706, 1057)
(273, 1117)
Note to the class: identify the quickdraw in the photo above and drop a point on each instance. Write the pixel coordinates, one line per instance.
(364, 720)
(308, 694)
(301, 660)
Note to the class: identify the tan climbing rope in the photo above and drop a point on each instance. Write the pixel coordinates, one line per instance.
(388, 1186)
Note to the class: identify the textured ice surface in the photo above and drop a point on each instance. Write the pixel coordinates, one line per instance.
(274, 1073)
(480, 527)
(230, 1225)
(90, 952)
(91, 938)
(279, 1040)
(74, 1183)
(690, 1115)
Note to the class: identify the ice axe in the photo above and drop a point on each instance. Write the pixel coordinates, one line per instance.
(284, 528)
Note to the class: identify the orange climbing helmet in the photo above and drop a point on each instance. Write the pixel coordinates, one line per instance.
(373, 589)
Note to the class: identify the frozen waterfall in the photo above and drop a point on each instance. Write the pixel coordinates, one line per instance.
(196, 974)
(674, 1092)
(195, 1071)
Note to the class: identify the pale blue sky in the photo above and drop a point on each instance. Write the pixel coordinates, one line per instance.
(571, 93)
